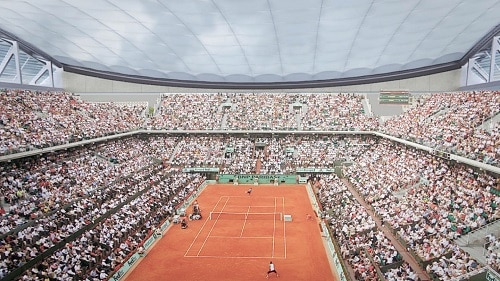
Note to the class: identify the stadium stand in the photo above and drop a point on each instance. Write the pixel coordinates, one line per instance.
(451, 122)
(68, 212)
(32, 119)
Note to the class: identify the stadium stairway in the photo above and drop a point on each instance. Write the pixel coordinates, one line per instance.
(298, 121)
(423, 275)
(367, 108)
(177, 149)
(438, 113)
(474, 242)
(490, 123)
(297, 114)
(223, 122)
(102, 159)
(400, 194)
(258, 165)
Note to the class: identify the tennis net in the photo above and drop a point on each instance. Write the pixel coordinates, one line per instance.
(245, 216)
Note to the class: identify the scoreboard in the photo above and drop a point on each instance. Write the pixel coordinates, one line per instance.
(394, 97)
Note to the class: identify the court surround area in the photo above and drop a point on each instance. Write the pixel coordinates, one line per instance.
(238, 236)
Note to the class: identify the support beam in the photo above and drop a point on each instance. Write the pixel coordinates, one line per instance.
(495, 48)
(480, 70)
(6, 60)
(15, 47)
(47, 67)
(50, 69)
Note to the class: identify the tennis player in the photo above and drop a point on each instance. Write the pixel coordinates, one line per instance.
(249, 191)
(272, 269)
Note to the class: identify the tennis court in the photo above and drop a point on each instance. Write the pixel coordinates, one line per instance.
(254, 224)
(238, 236)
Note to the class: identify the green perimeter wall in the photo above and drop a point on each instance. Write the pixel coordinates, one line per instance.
(262, 179)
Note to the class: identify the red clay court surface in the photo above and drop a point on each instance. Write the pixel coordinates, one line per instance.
(240, 243)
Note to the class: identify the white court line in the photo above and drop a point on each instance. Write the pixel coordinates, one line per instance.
(284, 224)
(270, 206)
(203, 226)
(274, 226)
(239, 237)
(231, 196)
(245, 222)
(213, 226)
(216, 220)
(226, 257)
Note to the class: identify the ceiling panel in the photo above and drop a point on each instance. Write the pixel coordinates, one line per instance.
(233, 39)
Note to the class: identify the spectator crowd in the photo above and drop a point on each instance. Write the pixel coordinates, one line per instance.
(461, 123)
(32, 120)
(66, 192)
(82, 202)
(428, 213)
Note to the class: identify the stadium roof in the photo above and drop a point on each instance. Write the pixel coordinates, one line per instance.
(212, 43)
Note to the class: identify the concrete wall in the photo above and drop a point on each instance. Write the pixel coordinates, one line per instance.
(446, 81)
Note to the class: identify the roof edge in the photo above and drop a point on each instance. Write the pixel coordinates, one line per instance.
(348, 81)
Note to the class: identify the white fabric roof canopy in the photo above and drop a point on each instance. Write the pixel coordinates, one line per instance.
(251, 41)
